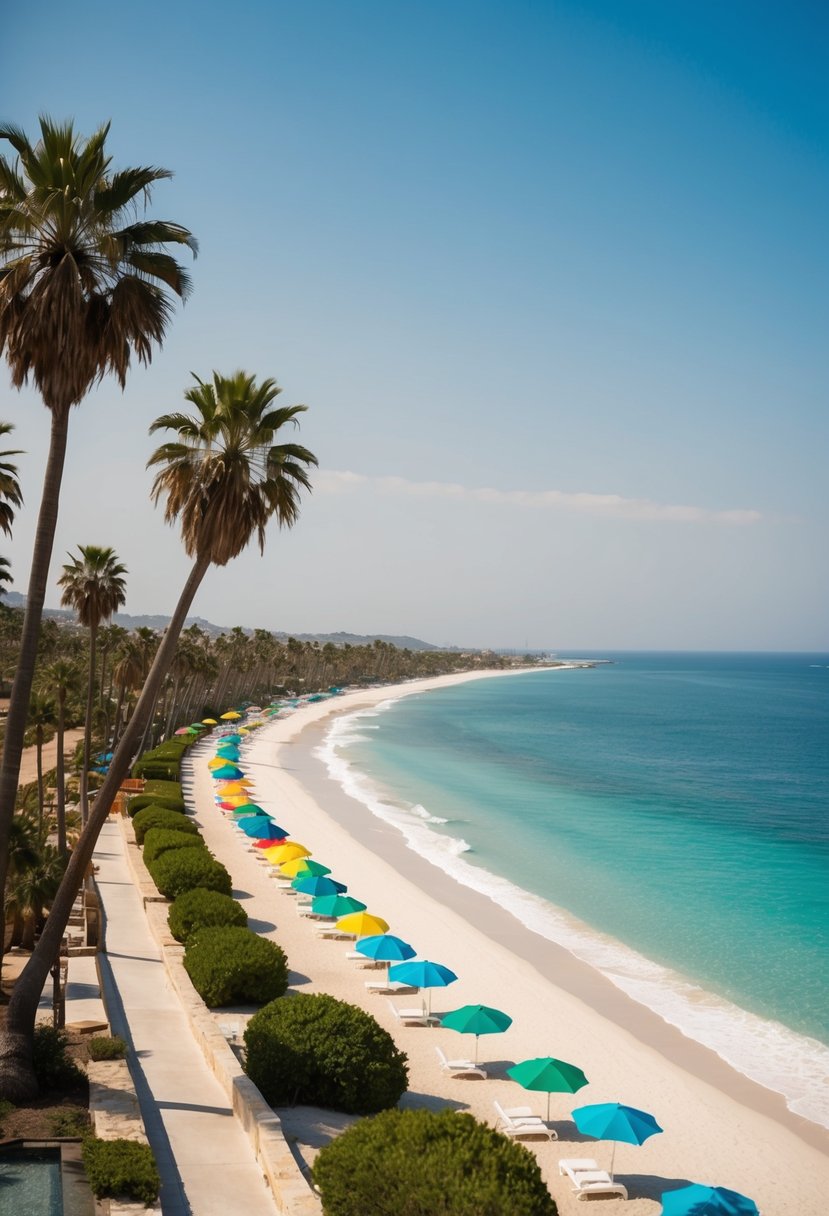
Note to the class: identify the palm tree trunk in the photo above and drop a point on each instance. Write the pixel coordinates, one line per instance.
(17, 1079)
(39, 764)
(60, 775)
(22, 687)
(87, 734)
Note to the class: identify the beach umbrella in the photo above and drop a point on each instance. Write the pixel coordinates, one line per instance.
(260, 827)
(226, 772)
(215, 762)
(363, 924)
(230, 716)
(184, 730)
(287, 852)
(318, 884)
(303, 865)
(209, 722)
(336, 905)
(386, 948)
(698, 1200)
(229, 751)
(231, 785)
(254, 709)
(612, 1121)
(228, 737)
(549, 1076)
(246, 807)
(477, 1020)
(423, 974)
(199, 726)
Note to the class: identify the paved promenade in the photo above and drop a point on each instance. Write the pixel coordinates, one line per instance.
(205, 1159)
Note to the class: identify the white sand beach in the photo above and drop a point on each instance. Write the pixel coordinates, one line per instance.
(719, 1127)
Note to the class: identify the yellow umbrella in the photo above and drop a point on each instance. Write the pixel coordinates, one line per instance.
(286, 852)
(363, 924)
(243, 730)
(250, 725)
(233, 787)
(230, 716)
(237, 799)
(216, 762)
(291, 868)
(209, 722)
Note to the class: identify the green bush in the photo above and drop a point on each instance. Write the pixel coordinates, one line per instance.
(429, 1163)
(160, 817)
(180, 870)
(54, 1068)
(230, 965)
(107, 1047)
(69, 1121)
(160, 840)
(121, 1168)
(318, 1051)
(169, 802)
(163, 762)
(200, 909)
(167, 789)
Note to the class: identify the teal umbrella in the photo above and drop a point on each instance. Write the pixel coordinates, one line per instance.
(697, 1200)
(227, 772)
(422, 974)
(477, 1020)
(336, 905)
(548, 1075)
(612, 1121)
(318, 884)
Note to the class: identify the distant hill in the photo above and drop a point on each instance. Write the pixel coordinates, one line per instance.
(15, 600)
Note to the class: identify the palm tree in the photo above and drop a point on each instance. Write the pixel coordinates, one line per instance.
(85, 285)
(223, 478)
(64, 677)
(10, 496)
(43, 712)
(93, 584)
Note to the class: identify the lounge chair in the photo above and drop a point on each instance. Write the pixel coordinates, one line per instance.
(330, 929)
(386, 986)
(415, 1016)
(588, 1179)
(519, 1126)
(459, 1068)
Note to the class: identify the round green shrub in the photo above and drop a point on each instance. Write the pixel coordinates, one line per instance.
(107, 1047)
(201, 909)
(429, 1163)
(160, 817)
(159, 840)
(53, 1066)
(318, 1051)
(118, 1168)
(170, 802)
(233, 966)
(180, 870)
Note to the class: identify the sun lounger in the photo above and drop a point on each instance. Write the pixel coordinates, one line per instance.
(330, 930)
(354, 956)
(415, 1016)
(520, 1126)
(459, 1068)
(386, 986)
(588, 1179)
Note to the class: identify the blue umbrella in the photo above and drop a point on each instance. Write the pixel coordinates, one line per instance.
(612, 1121)
(423, 974)
(385, 947)
(227, 772)
(229, 738)
(260, 828)
(227, 753)
(697, 1200)
(318, 884)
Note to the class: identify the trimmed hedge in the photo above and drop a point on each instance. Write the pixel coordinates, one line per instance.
(107, 1047)
(180, 870)
(167, 802)
(167, 789)
(160, 817)
(201, 909)
(160, 840)
(163, 762)
(317, 1051)
(233, 966)
(429, 1163)
(121, 1168)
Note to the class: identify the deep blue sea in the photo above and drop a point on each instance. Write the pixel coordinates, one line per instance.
(663, 816)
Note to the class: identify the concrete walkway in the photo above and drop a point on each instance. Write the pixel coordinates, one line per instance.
(205, 1159)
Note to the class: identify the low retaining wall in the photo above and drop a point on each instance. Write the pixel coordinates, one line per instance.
(116, 1115)
(291, 1191)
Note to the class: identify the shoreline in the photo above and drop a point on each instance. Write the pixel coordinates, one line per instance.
(645, 1060)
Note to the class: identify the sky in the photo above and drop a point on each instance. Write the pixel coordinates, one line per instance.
(550, 276)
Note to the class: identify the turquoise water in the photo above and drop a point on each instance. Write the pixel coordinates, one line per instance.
(30, 1183)
(676, 806)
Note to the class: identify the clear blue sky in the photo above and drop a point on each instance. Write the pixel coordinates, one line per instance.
(551, 277)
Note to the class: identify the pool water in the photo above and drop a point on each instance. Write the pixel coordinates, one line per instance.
(30, 1182)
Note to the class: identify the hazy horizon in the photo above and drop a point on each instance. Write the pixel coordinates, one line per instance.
(550, 278)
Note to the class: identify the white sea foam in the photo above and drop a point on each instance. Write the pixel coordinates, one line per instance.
(766, 1051)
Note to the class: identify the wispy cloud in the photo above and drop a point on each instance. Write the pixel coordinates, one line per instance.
(608, 505)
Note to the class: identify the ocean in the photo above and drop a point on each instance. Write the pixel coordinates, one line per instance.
(665, 817)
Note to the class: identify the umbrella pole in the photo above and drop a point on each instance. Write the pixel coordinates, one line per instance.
(548, 1106)
(612, 1157)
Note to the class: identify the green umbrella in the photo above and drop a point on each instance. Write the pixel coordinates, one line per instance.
(477, 1020)
(336, 905)
(548, 1075)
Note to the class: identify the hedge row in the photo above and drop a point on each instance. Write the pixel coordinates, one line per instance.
(179, 870)
(230, 965)
(159, 840)
(162, 763)
(153, 816)
(202, 909)
(118, 1168)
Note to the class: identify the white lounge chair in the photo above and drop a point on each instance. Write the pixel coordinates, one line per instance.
(520, 1126)
(415, 1016)
(588, 1179)
(459, 1068)
(330, 929)
(386, 986)
(354, 956)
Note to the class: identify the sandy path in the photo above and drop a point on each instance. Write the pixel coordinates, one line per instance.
(28, 764)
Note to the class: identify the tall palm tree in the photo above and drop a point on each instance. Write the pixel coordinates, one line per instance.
(10, 496)
(86, 284)
(43, 713)
(223, 478)
(64, 677)
(93, 584)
